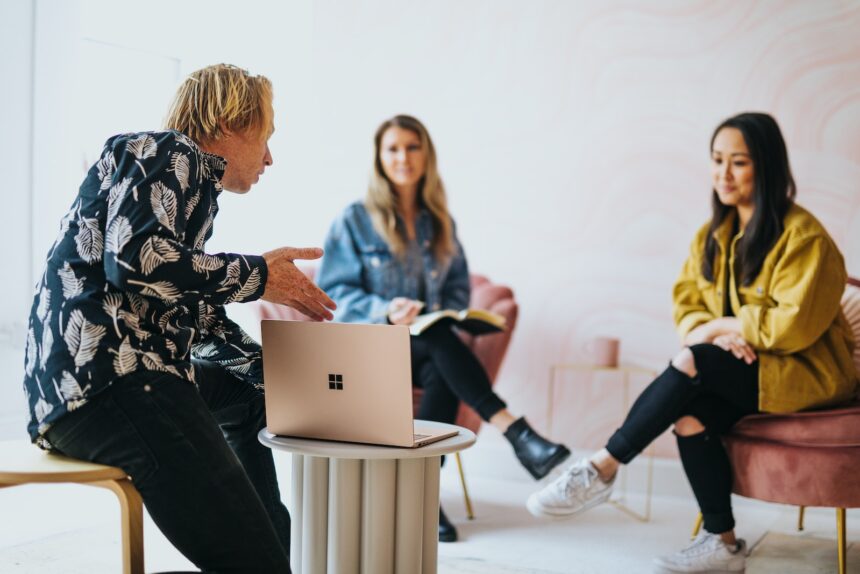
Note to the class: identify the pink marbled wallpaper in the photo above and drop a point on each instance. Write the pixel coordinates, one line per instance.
(573, 139)
(637, 95)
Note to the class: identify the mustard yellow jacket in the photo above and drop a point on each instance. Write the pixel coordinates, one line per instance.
(790, 314)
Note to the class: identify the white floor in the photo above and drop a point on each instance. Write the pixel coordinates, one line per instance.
(81, 536)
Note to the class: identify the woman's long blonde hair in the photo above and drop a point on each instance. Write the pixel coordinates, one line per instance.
(381, 200)
(221, 97)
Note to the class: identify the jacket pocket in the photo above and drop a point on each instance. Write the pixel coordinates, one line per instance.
(380, 270)
(755, 294)
(711, 295)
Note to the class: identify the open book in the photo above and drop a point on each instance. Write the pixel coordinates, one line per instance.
(475, 321)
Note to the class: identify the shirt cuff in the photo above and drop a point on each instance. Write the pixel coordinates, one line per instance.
(257, 262)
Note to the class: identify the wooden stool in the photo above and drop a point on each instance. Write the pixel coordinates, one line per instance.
(24, 463)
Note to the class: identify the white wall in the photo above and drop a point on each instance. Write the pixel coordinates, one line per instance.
(16, 40)
(572, 136)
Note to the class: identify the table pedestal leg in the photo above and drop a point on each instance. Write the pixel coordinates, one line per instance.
(296, 512)
(377, 516)
(344, 523)
(314, 515)
(355, 516)
(429, 557)
(409, 515)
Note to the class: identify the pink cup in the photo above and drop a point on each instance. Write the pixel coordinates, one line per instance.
(603, 351)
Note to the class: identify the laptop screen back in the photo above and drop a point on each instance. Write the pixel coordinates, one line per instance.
(338, 381)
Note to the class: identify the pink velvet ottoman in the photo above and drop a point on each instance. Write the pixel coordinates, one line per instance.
(805, 459)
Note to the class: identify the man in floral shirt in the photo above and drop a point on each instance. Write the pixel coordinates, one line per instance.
(129, 295)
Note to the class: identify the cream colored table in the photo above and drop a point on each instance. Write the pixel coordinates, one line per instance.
(626, 372)
(364, 509)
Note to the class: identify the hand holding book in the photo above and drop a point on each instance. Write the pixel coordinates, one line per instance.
(474, 321)
(402, 311)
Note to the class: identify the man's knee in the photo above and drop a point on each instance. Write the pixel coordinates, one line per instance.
(249, 416)
(257, 410)
(688, 426)
(685, 362)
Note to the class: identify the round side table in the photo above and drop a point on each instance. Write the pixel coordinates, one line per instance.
(359, 508)
(626, 372)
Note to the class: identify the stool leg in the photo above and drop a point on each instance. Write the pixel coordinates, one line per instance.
(800, 512)
(131, 507)
(697, 526)
(469, 513)
(840, 539)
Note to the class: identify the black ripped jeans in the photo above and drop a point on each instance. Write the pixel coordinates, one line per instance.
(724, 390)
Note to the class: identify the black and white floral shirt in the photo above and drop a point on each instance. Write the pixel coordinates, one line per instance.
(128, 285)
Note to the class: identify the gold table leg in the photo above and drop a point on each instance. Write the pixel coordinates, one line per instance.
(840, 539)
(649, 452)
(619, 502)
(468, 501)
(697, 526)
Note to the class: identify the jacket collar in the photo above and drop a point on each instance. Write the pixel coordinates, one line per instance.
(723, 233)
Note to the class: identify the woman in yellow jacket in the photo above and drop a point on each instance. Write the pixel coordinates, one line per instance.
(757, 306)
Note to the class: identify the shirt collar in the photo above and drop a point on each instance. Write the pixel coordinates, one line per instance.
(215, 165)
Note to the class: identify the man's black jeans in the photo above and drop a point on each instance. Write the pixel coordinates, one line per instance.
(212, 491)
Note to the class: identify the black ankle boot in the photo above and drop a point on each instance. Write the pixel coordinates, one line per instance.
(536, 454)
(447, 532)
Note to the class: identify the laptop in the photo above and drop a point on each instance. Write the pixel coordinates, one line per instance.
(341, 381)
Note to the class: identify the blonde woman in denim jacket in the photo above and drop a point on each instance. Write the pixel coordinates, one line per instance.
(396, 253)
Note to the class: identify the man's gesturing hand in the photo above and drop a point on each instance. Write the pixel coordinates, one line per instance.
(287, 285)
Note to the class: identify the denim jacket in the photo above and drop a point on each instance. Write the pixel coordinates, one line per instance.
(362, 275)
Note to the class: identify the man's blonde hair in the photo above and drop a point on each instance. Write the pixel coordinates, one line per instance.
(221, 97)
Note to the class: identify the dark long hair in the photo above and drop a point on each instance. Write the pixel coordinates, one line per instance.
(773, 195)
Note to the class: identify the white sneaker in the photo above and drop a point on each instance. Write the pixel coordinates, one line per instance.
(576, 490)
(706, 555)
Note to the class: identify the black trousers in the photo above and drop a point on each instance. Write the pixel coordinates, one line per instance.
(724, 390)
(449, 372)
(192, 453)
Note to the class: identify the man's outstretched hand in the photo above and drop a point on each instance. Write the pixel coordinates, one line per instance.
(287, 285)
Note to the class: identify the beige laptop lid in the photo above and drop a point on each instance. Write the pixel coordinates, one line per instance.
(338, 381)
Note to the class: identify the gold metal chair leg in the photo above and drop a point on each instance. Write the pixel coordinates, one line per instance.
(697, 526)
(800, 512)
(466, 499)
(131, 512)
(840, 539)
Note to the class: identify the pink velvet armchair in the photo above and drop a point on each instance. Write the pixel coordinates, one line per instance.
(804, 459)
(490, 349)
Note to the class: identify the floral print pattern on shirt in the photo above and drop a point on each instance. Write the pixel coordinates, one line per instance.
(128, 286)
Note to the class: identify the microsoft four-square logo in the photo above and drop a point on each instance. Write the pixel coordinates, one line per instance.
(335, 382)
